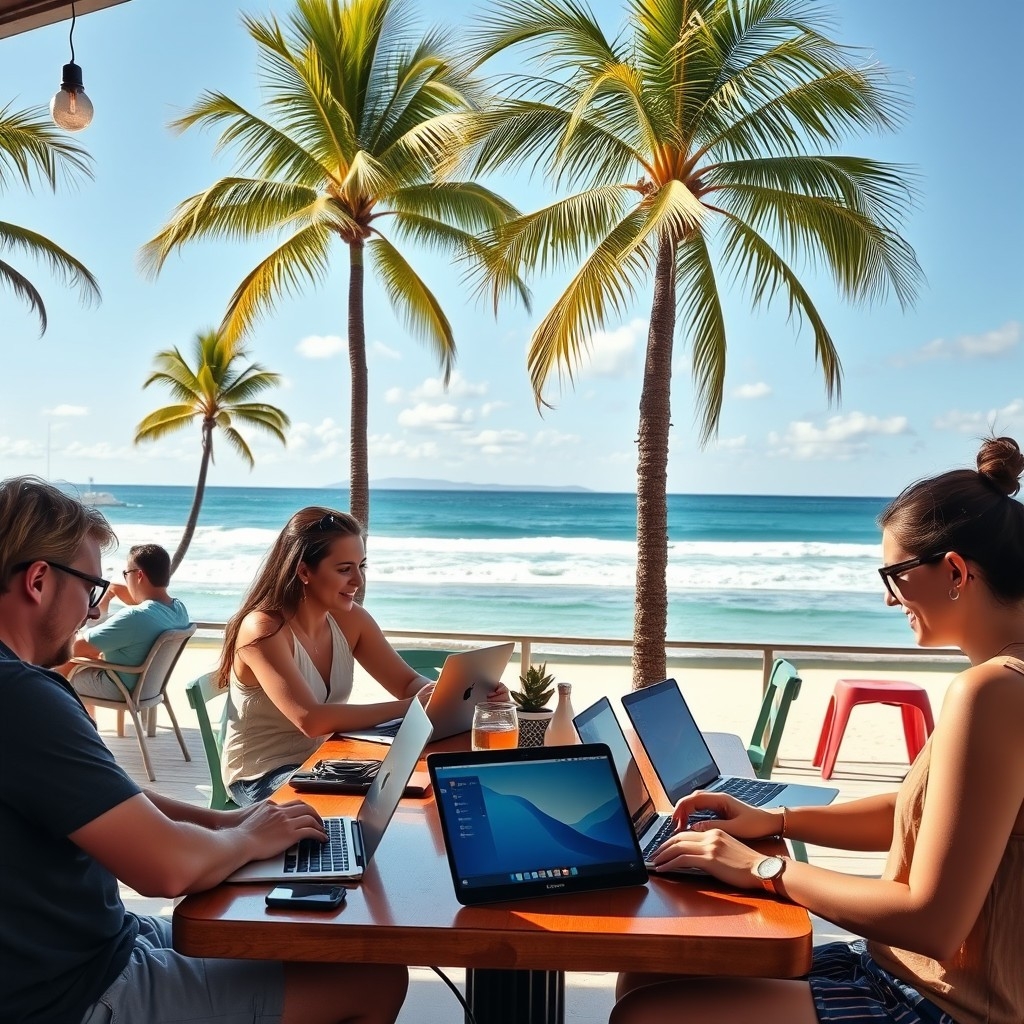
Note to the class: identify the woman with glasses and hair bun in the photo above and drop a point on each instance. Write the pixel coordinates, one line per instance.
(943, 937)
(289, 654)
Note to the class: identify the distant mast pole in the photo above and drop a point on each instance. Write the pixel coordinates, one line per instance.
(49, 424)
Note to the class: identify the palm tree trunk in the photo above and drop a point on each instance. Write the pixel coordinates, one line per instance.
(650, 609)
(359, 472)
(197, 498)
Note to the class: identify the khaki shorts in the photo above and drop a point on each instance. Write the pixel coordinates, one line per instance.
(160, 986)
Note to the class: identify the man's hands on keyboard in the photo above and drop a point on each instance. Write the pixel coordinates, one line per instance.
(272, 828)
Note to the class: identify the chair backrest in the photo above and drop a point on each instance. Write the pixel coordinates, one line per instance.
(201, 692)
(159, 664)
(783, 689)
(426, 661)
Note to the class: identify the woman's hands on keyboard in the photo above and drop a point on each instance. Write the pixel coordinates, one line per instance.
(731, 816)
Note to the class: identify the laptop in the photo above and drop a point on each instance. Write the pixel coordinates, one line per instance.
(465, 680)
(351, 842)
(534, 821)
(598, 724)
(684, 763)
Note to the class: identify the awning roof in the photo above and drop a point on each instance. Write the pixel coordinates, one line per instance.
(21, 15)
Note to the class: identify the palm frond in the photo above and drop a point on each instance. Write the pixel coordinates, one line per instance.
(700, 307)
(301, 259)
(25, 290)
(266, 418)
(246, 385)
(32, 147)
(236, 209)
(167, 420)
(70, 271)
(414, 302)
(235, 439)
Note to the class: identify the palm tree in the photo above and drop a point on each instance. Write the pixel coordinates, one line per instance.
(699, 143)
(360, 119)
(218, 390)
(32, 148)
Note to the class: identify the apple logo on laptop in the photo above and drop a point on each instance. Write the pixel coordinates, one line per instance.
(384, 781)
(468, 693)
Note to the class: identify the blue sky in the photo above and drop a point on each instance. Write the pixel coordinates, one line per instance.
(919, 388)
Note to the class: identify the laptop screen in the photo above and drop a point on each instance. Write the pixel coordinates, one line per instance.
(598, 724)
(534, 821)
(671, 738)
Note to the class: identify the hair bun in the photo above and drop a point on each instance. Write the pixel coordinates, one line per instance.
(1000, 460)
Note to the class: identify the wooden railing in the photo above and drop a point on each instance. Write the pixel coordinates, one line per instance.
(767, 651)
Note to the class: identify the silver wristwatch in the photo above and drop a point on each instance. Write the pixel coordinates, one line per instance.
(768, 871)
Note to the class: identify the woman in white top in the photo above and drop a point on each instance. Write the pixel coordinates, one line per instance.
(289, 655)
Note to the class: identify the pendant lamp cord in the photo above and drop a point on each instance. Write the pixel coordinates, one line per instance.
(71, 33)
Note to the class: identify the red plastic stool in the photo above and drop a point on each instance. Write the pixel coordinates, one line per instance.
(909, 697)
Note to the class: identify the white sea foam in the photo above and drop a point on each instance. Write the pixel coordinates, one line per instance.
(224, 561)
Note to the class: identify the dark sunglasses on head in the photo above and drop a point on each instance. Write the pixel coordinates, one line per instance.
(97, 585)
(887, 572)
(331, 522)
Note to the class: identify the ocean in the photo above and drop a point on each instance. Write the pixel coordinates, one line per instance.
(758, 569)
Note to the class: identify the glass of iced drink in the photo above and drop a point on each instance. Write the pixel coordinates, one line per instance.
(495, 725)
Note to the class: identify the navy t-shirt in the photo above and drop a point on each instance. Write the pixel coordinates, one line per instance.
(64, 932)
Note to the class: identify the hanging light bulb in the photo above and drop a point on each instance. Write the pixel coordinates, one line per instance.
(70, 108)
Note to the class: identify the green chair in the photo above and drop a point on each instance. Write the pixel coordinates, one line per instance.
(783, 689)
(426, 661)
(200, 692)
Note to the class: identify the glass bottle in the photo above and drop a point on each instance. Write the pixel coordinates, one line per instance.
(560, 730)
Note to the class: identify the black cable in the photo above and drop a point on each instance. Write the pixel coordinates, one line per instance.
(71, 32)
(458, 995)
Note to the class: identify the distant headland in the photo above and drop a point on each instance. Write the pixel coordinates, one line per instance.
(413, 483)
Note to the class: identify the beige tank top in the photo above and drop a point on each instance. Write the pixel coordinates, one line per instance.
(984, 982)
(258, 737)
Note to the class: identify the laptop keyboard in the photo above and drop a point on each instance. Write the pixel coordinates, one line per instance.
(315, 857)
(667, 828)
(752, 791)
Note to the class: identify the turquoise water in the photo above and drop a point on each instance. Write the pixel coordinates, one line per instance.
(764, 569)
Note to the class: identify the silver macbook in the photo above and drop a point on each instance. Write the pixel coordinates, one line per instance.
(351, 842)
(683, 762)
(598, 724)
(465, 680)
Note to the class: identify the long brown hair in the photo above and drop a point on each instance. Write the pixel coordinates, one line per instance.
(277, 590)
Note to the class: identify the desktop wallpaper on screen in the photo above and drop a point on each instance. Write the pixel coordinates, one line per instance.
(519, 817)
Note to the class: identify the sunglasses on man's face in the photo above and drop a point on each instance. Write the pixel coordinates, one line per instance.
(97, 585)
(890, 572)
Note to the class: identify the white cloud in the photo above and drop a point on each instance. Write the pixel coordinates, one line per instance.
(841, 438)
(496, 442)
(321, 346)
(378, 348)
(554, 439)
(978, 423)
(443, 416)
(103, 451)
(989, 345)
(758, 390)
(613, 353)
(19, 448)
(488, 407)
(397, 447)
(394, 395)
(458, 387)
(67, 410)
(731, 444)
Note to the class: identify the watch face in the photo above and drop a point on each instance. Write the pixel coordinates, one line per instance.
(770, 867)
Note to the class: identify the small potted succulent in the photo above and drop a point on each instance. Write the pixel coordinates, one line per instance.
(537, 687)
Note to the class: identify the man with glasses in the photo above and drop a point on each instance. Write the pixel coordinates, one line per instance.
(127, 636)
(73, 824)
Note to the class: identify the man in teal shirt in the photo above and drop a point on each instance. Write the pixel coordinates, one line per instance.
(127, 636)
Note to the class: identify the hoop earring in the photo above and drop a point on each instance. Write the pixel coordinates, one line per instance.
(954, 594)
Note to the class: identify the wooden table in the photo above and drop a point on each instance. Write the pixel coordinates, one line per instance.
(404, 911)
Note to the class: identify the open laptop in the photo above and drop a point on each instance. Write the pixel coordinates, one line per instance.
(351, 842)
(683, 762)
(466, 678)
(534, 821)
(598, 724)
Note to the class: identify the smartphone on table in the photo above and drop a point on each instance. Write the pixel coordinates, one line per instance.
(306, 896)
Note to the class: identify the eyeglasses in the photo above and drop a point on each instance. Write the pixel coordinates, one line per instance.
(888, 572)
(330, 522)
(97, 585)
(127, 572)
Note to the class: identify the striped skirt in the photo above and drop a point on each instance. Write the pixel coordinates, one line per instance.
(848, 986)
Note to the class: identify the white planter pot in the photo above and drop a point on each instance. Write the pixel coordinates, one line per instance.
(532, 726)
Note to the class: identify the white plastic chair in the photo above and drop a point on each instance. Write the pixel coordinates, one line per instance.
(149, 692)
